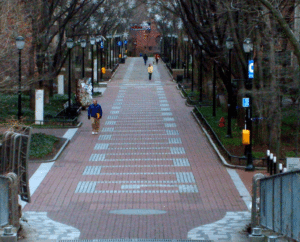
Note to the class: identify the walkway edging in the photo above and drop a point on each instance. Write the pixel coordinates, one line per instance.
(223, 160)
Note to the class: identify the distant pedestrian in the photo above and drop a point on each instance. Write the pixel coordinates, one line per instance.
(95, 114)
(150, 71)
(145, 57)
(157, 58)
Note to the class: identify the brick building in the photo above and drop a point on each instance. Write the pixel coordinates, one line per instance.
(145, 41)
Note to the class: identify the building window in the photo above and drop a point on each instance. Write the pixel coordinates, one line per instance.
(150, 47)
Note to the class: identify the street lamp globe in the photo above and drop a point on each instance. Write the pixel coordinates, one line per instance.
(92, 40)
(70, 43)
(229, 43)
(98, 38)
(200, 42)
(20, 42)
(216, 41)
(247, 45)
(83, 43)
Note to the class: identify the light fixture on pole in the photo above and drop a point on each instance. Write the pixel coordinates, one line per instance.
(92, 42)
(70, 44)
(248, 48)
(229, 46)
(83, 45)
(20, 43)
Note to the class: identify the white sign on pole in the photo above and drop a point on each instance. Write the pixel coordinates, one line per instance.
(39, 106)
(292, 164)
(60, 81)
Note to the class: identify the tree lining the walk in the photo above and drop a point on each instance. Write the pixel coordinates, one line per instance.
(272, 25)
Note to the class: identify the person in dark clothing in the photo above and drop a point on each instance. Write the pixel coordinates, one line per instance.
(95, 113)
(145, 58)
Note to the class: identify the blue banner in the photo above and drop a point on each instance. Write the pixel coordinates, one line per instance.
(251, 69)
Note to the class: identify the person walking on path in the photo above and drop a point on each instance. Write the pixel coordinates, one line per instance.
(95, 114)
(157, 58)
(145, 58)
(150, 71)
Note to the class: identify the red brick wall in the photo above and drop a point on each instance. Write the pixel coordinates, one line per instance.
(146, 41)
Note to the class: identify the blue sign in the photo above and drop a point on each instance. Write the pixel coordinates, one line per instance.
(101, 44)
(246, 102)
(125, 42)
(251, 69)
(119, 43)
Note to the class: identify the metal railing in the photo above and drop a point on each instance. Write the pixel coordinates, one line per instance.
(9, 202)
(14, 157)
(280, 203)
(4, 200)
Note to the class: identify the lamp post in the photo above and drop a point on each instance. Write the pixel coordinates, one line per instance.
(98, 39)
(248, 47)
(125, 35)
(83, 45)
(101, 58)
(109, 52)
(20, 42)
(216, 41)
(185, 39)
(200, 74)
(70, 44)
(92, 41)
(192, 66)
(229, 45)
(175, 51)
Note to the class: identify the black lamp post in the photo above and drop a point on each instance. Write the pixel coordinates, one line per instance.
(92, 41)
(70, 44)
(248, 47)
(109, 52)
(83, 45)
(98, 39)
(200, 74)
(101, 57)
(216, 41)
(175, 50)
(229, 45)
(192, 66)
(185, 39)
(20, 42)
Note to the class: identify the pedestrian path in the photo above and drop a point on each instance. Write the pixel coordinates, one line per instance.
(150, 173)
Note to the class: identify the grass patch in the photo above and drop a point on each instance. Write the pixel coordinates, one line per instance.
(41, 145)
(258, 154)
(290, 154)
(236, 131)
(9, 106)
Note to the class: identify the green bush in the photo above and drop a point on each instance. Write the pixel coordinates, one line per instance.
(41, 145)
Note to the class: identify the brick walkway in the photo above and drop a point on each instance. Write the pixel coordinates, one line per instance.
(150, 173)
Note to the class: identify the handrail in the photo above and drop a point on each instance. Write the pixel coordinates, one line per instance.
(279, 203)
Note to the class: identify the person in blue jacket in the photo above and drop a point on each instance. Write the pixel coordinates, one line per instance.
(95, 113)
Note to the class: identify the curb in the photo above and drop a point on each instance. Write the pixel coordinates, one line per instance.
(56, 156)
(223, 160)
